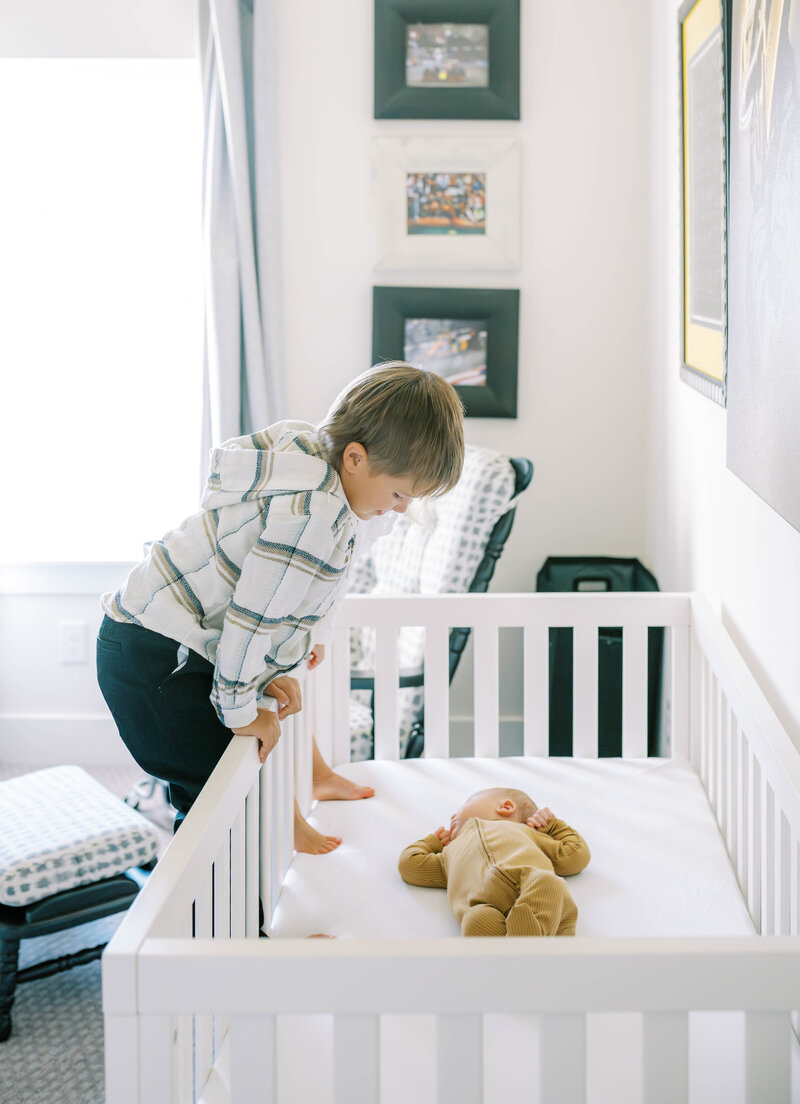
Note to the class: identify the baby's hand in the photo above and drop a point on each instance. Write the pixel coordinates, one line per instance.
(540, 819)
(443, 835)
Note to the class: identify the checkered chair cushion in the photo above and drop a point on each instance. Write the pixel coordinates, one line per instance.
(434, 548)
(59, 828)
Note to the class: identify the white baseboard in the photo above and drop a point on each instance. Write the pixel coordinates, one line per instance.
(50, 739)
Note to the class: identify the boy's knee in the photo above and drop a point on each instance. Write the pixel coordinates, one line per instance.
(483, 920)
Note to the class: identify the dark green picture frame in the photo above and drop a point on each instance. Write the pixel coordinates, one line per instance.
(391, 306)
(395, 100)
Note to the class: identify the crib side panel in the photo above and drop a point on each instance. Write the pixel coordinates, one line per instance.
(750, 770)
(552, 988)
(589, 621)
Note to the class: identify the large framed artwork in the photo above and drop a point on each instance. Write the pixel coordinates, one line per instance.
(705, 109)
(763, 438)
(467, 335)
(446, 203)
(447, 59)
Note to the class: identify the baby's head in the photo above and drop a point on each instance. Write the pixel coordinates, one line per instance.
(495, 804)
(408, 421)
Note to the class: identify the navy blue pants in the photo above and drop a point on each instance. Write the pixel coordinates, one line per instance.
(159, 698)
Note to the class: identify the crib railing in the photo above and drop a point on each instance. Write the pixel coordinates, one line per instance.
(535, 615)
(751, 773)
(194, 1000)
(218, 877)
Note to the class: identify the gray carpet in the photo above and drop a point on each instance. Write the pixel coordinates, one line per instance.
(55, 1052)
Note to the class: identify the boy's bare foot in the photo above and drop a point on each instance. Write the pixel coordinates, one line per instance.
(333, 787)
(310, 841)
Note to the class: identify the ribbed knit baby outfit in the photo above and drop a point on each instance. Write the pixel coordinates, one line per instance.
(502, 878)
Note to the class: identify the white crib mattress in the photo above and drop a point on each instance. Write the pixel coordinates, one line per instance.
(659, 865)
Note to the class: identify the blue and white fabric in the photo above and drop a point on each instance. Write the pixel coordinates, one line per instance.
(59, 828)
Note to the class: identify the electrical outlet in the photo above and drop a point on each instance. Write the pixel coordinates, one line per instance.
(72, 641)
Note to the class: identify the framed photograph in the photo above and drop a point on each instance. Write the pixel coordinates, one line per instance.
(447, 59)
(447, 204)
(763, 381)
(705, 84)
(467, 335)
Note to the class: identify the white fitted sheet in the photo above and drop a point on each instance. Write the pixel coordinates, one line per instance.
(659, 865)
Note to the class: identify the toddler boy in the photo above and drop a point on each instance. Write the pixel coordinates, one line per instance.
(225, 606)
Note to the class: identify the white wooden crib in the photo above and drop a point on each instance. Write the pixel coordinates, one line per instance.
(198, 1008)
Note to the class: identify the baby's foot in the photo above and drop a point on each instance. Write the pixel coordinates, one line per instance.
(310, 841)
(333, 787)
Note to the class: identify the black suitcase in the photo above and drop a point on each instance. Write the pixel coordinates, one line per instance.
(597, 574)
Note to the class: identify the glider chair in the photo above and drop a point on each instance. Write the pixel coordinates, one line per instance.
(448, 545)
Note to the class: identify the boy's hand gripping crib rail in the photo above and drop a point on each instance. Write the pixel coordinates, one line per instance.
(193, 998)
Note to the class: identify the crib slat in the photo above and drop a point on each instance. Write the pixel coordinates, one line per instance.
(437, 692)
(695, 701)
(665, 1057)
(722, 758)
(203, 926)
(562, 1058)
(252, 896)
(318, 695)
(770, 878)
(767, 1058)
(681, 718)
(784, 902)
(459, 1059)
(302, 731)
(286, 764)
(222, 921)
(584, 692)
(337, 704)
(252, 1060)
(756, 836)
(222, 891)
(267, 880)
(387, 744)
(734, 789)
(487, 692)
(356, 1067)
(536, 690)
(634, 691)
(237, 877)
(744, 817)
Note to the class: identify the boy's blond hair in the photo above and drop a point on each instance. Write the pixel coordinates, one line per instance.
(411, 422)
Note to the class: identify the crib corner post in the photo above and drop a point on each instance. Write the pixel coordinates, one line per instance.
(122, 1059)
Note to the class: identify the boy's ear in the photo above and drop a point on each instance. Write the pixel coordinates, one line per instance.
(505, 808)
(353, 456)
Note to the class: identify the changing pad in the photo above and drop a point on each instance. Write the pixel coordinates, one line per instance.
(659, 865)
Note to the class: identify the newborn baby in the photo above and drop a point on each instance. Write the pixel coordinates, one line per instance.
(501, 861)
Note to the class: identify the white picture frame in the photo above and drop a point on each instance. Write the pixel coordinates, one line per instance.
(393, 159)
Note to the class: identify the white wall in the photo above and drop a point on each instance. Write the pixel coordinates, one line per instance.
(706, 529)
(585, 302)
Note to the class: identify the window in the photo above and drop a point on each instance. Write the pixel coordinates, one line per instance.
(100, 286)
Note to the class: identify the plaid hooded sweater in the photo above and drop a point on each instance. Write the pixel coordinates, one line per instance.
(247, 581)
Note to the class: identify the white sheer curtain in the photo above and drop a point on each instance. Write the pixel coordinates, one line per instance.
(241, 220)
